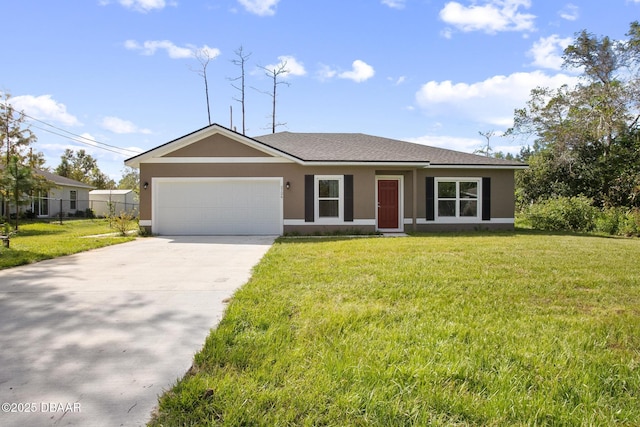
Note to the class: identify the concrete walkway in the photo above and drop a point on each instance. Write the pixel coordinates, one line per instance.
(92, 339)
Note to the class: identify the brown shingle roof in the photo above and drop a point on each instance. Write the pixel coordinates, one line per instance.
(358, 147)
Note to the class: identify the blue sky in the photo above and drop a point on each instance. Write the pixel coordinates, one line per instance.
(123, 72)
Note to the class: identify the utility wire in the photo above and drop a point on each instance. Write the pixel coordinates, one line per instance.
(91, 142)
(82, 142)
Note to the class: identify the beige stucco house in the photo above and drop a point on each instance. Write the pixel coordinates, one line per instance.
(217, 181)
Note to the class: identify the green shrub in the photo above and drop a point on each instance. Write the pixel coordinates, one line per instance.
(631, 223)
(610, 220)
(123, 222)
(563, 213)
(619, 221)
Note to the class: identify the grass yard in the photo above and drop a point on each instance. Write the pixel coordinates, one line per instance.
(483, 329)
(38, 240)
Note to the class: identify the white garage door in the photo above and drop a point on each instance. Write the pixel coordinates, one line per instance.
(217, 206)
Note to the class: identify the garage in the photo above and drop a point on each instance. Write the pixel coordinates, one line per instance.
(217, 206)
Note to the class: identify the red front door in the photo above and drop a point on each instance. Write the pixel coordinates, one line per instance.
(388, 203)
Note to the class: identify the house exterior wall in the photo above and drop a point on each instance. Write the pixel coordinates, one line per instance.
(217, 146)
(218, 156)
(59, 198)
(502, 187)
(502, 199)
(290, 172)
(364, 188)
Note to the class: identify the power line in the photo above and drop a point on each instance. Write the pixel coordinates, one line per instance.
(92, 142)
(82, 142)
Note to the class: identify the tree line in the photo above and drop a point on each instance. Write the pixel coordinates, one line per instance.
(587, 137)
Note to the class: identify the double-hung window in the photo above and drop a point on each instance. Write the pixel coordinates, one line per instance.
(73, 197)
(329, 200)
(457, 198)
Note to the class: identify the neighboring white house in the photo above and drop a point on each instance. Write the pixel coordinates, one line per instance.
(106, 202)
(66, 195)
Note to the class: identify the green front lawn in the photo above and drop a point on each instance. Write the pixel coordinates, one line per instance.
(483, 329)
(39, 240)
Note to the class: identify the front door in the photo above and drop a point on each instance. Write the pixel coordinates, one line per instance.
(388, 204)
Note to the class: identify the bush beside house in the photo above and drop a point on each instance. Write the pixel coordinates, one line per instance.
(579, 215)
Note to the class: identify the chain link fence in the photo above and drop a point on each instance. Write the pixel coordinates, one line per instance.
(47, 207)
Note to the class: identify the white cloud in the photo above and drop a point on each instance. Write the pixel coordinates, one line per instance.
(491, 101)
(143, 6)
(291, 66)
(398, 81)
(260, 7)
(394, 4)
(447, 33)
(150, 47)
(547, 52)
(44, 108)
(492, 17)
(326, 72)
(571, 12)
(210, 52)
(88, 138)
(468, 145)
(360, 72)
(120, 126)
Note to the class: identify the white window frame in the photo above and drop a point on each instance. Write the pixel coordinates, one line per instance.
(457, 217)
(43, 198)
(73, 200)
(340, 198)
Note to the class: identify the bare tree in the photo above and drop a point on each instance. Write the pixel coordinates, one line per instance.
(486, 150)
(204, 56)
(240, 61)
(274, 74)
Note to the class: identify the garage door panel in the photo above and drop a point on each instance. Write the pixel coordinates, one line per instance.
(217, 206)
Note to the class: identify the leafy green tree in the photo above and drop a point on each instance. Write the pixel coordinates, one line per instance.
(82, 167)
(585, 135)
(15, 136)
(18, 182)
(130, 180)
(15, 141)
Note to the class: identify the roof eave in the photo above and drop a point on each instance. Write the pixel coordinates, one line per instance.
(363, 163)
(476, 166)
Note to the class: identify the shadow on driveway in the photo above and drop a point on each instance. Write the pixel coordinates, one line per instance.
(92, 339)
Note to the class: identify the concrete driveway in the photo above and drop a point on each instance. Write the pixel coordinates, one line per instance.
(92, 339)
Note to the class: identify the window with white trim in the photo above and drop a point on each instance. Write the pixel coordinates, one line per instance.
(73, 197)
(457, 198)
(329, 197)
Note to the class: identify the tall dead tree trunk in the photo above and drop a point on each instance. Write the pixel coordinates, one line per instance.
(275, 74)
(204, 57)
(240, 62)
